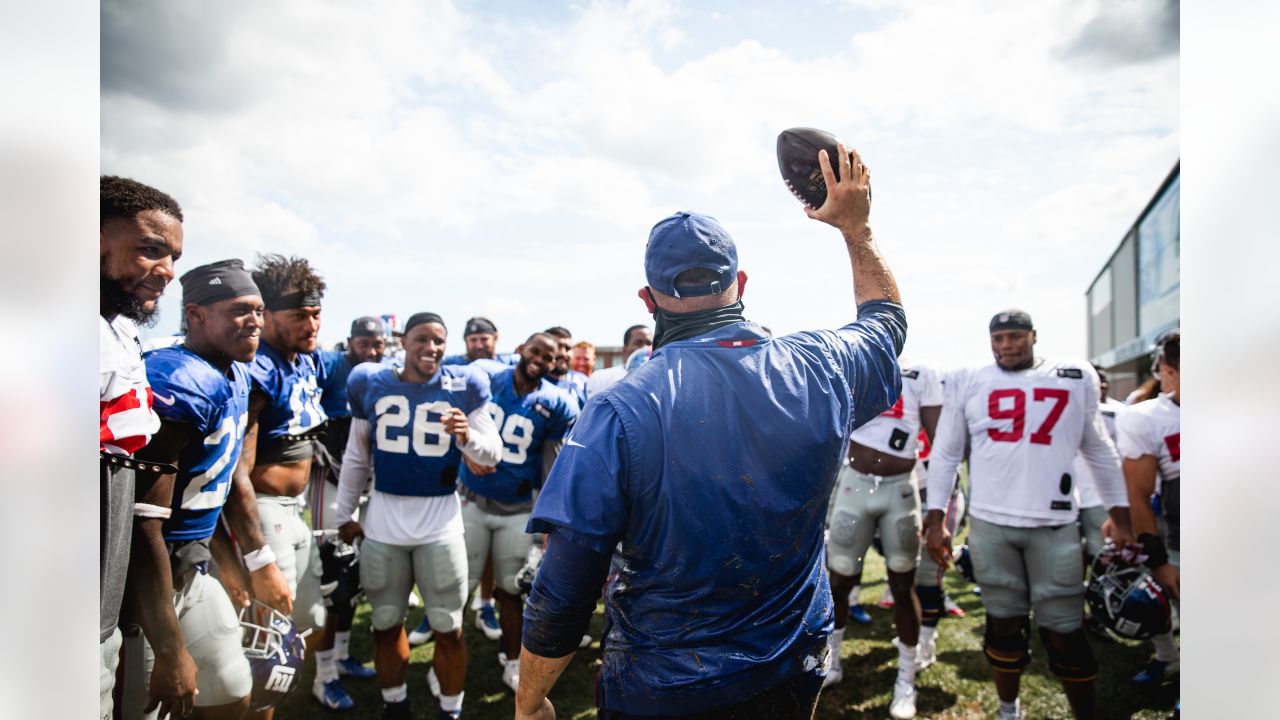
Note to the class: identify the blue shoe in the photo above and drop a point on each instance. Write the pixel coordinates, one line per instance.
(421, 635)
(487, 622)
(1156, 673)
(332, 695)
(859, 615)
(353, 668)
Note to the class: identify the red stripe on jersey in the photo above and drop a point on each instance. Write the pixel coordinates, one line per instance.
(736, 343)
(127, 411)
(1174, 443)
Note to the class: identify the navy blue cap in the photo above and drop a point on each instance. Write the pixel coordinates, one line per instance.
(685, 241)
(1011, 319)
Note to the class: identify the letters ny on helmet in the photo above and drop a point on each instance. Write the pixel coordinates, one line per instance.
(275, 651)
(1124, 597)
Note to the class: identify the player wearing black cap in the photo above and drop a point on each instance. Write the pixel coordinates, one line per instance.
(481, 336)
(1025, 419)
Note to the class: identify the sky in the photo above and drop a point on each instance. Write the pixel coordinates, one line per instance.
(508, 159)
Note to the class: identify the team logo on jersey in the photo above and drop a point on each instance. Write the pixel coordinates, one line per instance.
(453, 384)
(1073, 373)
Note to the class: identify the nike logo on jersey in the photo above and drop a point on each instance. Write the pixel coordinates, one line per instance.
(166, 400)
(571, 443)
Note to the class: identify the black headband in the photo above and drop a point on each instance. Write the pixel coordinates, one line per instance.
(217, 281)
(423, 317)
(1010, 320)
(479, 325)
(294, 300)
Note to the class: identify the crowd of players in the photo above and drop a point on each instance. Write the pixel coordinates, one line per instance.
(420, 470)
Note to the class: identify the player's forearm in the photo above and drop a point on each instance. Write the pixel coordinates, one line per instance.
(241, 512)
(537, 676)
(872, 278)
(945, 457)
(1104, 464)
(483, 444)
(151, 587)
(1141, 485)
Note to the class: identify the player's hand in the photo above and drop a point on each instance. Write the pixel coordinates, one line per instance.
(1170, 578)
(455, 424)
(270, 587)
(1119, 534)
(351, 530)
(478, 469)
(937, 539)
(173, 685)
(848, 204)
(546, 712)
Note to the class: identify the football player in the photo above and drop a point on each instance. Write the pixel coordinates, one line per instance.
(139, 240)
(1092, 514)
(366, 343)
(532, 416)
(1025, 419)
(201, 389)
(635, 337)
(284, 417)
(877, 490)
(481, 336)
(1149, 438)
(560, 374)
(410, 428)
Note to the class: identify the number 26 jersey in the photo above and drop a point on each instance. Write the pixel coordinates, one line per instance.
(1025, 428)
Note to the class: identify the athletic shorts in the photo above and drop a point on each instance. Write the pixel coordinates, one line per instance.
(501, 536)
(110, 652)
(1091, 519)
(865, 503)
(211, 627)
(1021, 569)
(297, 556)
(439, 569)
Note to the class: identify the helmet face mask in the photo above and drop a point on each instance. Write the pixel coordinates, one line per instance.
(1124, 597)
(275, 651)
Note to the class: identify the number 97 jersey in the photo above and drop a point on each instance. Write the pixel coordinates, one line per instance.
(895, 430)
(1025, 428)
(412, 453)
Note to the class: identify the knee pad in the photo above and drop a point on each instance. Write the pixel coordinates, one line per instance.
(842, 529)
(1070, 657)
(930, 604)
(1008, 652)
(384, 617)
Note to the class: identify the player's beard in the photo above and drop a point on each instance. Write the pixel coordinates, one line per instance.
(113, 299)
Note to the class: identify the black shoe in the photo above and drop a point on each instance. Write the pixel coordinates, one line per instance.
(446, 715)
(396, 710)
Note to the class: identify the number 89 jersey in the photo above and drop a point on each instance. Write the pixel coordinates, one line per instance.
(525, 423)
(412, 454)
(1025, 428)
(895, 430)
(189, 390)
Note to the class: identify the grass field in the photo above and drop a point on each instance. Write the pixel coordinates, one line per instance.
(957, 687)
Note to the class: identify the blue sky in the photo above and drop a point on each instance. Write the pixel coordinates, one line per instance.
(508, 158)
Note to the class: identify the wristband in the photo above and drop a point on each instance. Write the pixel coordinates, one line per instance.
(259, 558)
(1153, 548)
(144, 510)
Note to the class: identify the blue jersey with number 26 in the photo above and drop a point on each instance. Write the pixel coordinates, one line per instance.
(412, 454)
(189, 390)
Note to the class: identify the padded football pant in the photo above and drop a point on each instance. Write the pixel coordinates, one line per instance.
(1091, 519)
(1033, 567)
(297, 556)
(439, 569)
(501, 536)
(211, 628)
(864, 503)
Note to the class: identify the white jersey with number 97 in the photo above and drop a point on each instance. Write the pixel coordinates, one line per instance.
(1025, 428)
(895, 431)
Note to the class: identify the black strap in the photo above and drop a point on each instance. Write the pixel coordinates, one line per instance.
(134, 463)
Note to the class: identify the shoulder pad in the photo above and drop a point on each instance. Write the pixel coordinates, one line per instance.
(1070, 372)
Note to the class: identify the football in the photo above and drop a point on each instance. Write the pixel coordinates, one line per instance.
(798, 162)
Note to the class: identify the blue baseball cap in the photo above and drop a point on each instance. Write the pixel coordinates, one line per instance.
(685, 241)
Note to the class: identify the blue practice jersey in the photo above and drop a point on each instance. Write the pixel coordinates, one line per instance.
(189, 390)
(524, 423)
(574, 383)
(336, 366)
(712, 464)
(508, 359)
(412, 455)
(293, 393)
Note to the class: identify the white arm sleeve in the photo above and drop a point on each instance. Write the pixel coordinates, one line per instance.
(946, 454)
(357, 464)
(483, 444)
(1104, 464)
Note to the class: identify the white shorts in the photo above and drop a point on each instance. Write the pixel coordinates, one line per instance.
(501, 536)
(297, 556)
(439, 569)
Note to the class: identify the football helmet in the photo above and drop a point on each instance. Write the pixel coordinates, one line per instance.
(339, 572)
(1124, 597)
(275, 651)
(526, 575)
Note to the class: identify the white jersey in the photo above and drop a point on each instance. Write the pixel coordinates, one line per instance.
(1086, 494)
(126, 418)
(1153, 428)
(894, 431)
(1025, 428)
